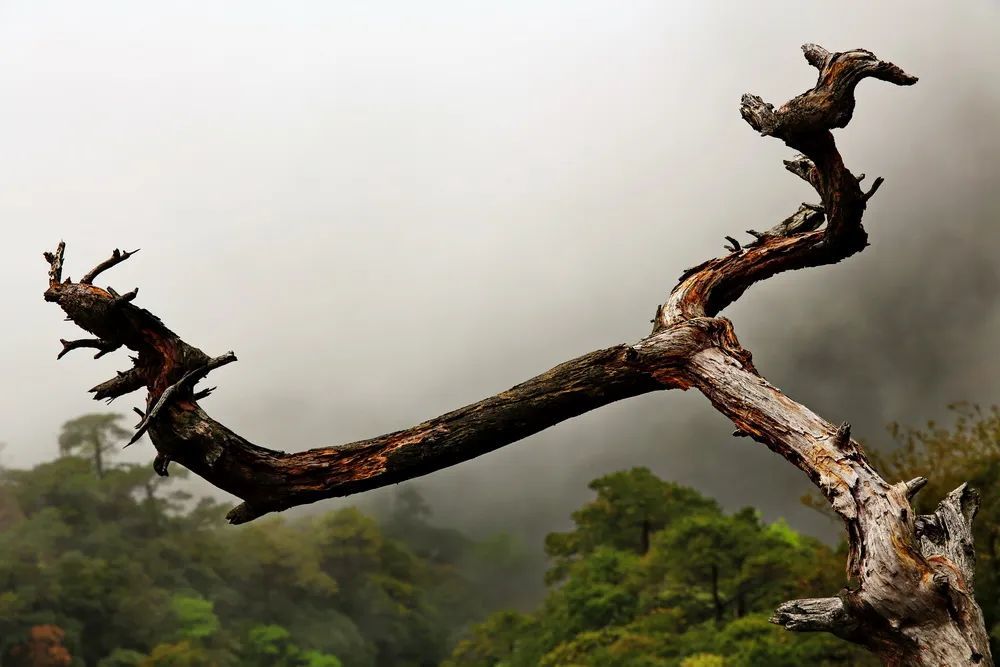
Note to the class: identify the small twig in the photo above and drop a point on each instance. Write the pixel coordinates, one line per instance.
(876, 184)
(117, 257)
(123, 383)
(735, 247)
(198, 395)
(103, 346)
(120, 299)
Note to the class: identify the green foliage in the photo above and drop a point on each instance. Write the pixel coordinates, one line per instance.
(656, 575)
(704, 660)
(195, 617)
(630, 506)
(122, 657)
(273, 646)
(94, 437)
(113, 567)
(135, 573)
(493, 642)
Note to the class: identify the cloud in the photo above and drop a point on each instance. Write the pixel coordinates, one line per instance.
(389, 212)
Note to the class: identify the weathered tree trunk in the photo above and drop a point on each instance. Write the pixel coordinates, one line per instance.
(912, 598)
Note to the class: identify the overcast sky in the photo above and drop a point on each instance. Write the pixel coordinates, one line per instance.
(390, 209)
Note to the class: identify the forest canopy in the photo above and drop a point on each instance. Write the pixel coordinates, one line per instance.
(107, 564)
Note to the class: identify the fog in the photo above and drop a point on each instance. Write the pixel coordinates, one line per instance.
(391, 209)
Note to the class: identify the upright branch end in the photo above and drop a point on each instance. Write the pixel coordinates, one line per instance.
(948, 531)
(914, 486)
(842, 437)
(55, 260)
(117, 257)
(876, 184)
(816, 55)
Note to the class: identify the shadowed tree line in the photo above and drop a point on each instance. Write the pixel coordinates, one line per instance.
(110, 565)
(107, 564)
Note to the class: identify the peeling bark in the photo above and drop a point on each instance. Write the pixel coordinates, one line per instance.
(913, 603)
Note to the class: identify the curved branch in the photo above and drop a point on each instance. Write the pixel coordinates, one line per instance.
(269, 480)
(803, 123)
(117, 257)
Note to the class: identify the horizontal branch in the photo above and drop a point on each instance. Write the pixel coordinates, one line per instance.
(269, 480)
(272, 481)
(124, 383)
(816, 614)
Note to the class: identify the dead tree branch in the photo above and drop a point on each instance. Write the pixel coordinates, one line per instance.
(914, 602)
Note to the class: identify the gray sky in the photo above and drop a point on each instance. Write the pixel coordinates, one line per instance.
(390, 209)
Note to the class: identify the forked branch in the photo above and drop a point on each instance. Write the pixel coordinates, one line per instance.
(914, 602)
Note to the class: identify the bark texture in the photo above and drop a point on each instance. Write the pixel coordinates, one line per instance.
(911, 601)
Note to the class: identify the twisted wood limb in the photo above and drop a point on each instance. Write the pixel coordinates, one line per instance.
(913, 603)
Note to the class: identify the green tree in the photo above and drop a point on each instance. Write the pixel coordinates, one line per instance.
(630, 506)
(656, 575)
(93, 436)
(493, 642)
(135, 573)
(272, 646)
